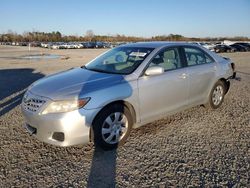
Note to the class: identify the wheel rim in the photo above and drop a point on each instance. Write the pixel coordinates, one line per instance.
(114, 128)
(217, 95)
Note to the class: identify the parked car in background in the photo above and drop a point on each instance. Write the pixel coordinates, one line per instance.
(56, 45)
(239, 47)
(79, 45)
(89, 44)
(220, 48)
(95, 45)
(44, 45)
(205, 45)
(107, 45)
(99, 45)
(23, 43)
(126, 87)
(243, 44)
(35, 44)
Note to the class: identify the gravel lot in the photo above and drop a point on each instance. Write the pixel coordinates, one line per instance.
(197, 147)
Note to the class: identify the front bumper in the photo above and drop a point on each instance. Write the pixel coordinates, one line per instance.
(234, 75)
(61, 129)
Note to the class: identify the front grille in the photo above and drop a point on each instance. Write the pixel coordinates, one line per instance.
(59, 136)
(32, 103)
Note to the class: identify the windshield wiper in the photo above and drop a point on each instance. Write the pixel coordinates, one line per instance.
(99, 70)
(96, 70)
(83, 67)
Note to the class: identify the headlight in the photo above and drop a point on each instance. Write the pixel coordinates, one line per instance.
(65, 106)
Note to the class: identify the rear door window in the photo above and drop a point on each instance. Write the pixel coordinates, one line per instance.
(195, 56)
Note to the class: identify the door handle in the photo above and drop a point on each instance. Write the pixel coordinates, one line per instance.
(183, 76)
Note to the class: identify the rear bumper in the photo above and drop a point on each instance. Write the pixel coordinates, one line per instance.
(62, 129)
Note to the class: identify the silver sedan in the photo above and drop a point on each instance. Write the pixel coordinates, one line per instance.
(124, 88)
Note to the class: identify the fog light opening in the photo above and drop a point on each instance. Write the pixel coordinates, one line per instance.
(59, 136)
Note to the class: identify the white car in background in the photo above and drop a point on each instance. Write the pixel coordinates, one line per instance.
(44, 45)
(55, 46)
(206, 45)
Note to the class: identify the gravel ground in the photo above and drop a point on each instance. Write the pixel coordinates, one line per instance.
(197, 147)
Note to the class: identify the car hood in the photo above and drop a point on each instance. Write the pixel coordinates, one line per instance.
(74, 83)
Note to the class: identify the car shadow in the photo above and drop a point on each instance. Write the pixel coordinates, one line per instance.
(13, 83)
(103, 169)
(246, 73)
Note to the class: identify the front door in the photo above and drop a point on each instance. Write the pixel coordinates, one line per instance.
(164, 93)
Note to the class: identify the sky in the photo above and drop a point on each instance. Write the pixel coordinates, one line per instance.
(142, 18)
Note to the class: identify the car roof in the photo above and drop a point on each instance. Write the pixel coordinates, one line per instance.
(156, 44)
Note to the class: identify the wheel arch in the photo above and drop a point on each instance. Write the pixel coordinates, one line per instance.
(119, 102)
(226, 84)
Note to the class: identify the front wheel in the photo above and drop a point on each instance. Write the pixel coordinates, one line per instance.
(216, 96)
(112, 126)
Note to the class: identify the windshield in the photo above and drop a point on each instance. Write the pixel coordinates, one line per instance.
(121, 60)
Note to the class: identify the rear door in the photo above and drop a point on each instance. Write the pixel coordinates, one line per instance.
(201, 70)
(166, 92)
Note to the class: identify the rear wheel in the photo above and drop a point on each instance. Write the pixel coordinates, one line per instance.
(112, 126)
(217, 94)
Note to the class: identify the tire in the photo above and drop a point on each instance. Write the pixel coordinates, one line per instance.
(112, 127)
(216, 95)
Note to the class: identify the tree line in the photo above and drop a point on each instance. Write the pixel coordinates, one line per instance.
(56, 36)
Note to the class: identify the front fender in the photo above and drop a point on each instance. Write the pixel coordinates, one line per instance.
(125, 91)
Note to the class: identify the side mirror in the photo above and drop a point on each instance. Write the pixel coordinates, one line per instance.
(154, 70)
